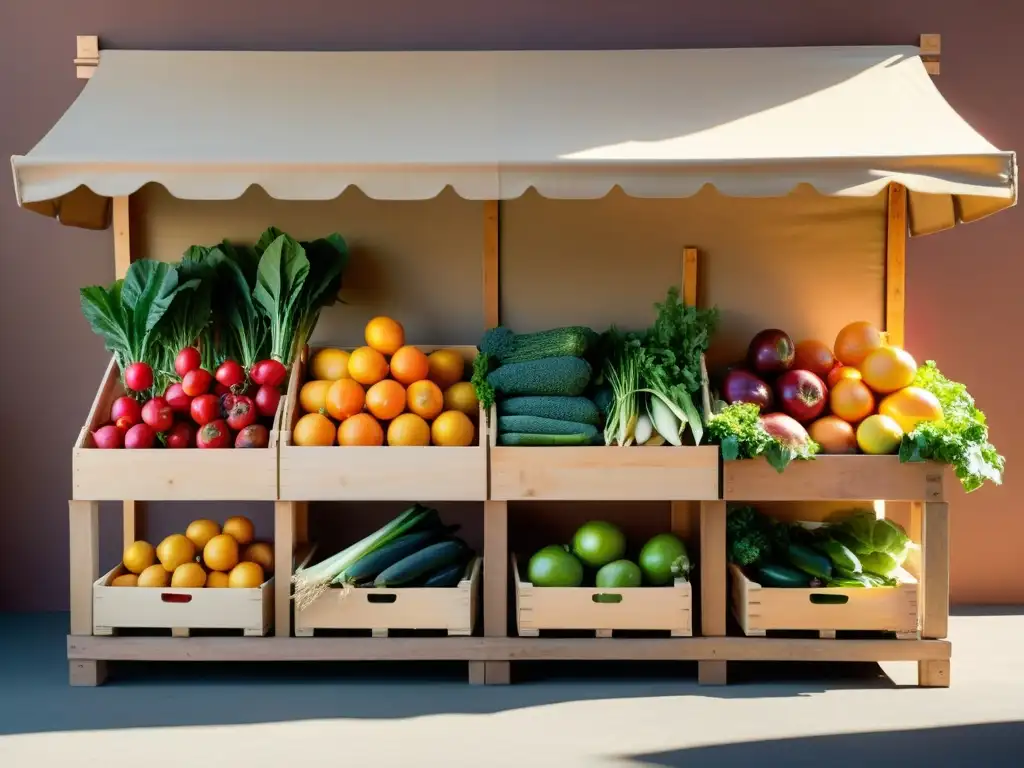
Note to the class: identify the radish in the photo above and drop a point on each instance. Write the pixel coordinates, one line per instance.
(241, 412)
(108, 437)
(230, 374)
(196, 382)
(214, 435)
(270, 372)
(158, 414)
(220, 390)
(266, 400)
(182, 435)
(140, 436)
(177, 399)
(253, 436)
(187, 360)
(127, 408)
(138, 377)
(205, 408)
(124, 424)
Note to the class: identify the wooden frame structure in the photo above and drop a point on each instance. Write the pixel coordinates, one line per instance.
(701, 516)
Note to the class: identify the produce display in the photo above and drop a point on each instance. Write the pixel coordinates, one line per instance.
(855, 550)
(206, 555)
(386, 392)
(572, 386)
(204, 345)
(416, 549)
(791, 401)
(597, 556)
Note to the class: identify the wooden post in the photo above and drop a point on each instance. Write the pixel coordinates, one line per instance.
(682, 512)
(934, 594)
(491, 265)
(133, 512)
(284, 551)
(84, 528)
(713, 593)
(896, 265)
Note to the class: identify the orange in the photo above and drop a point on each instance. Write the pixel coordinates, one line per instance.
(452, 428)
(879, 435)
(313, 395)
(201, 531)
(851, 400)
(245, 576)
(833, 435)
(216, 580)
(345, 398)
(174, 551)
(424, 398)
(909, 407)
(408, 429)
(462, 397)
(367, 366)
(221, 553)
(189, 576)
(384, 335)
(385, 399)
(361, 429)
(888, 369)
(240, 529)
(814, 356)
(329, 364)
(261, 553)
(842, 372)
(313, 429)
(447, 367)
(856, 341)
(408, 364)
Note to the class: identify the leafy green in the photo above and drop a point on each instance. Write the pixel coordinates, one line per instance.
(189, 315)
(737, 429)
(282, 272)
(752, 538)
(482, 365)
(959, 439)
(328, 257)
(676, 341)
(866, 534)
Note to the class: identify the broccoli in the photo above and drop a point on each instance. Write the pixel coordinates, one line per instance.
(752, 538)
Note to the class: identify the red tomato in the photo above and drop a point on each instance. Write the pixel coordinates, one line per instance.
(205, 408)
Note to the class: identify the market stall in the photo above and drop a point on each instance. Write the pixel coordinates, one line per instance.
(541, 191)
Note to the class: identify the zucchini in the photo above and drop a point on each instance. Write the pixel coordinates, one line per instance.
(428, 560)
(538, 425)
(809, 561)
(448, 576)
(577, 409)
(520, 438)
(367, 568)
(840, 555)
(781, 576)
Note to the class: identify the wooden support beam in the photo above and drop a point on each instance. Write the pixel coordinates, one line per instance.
(896, 265)
(491, 265)
(84, 564)
(284, 554)
(931, 50)
(87, 55)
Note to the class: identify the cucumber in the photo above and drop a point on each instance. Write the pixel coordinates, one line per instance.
(520, 438)
(367, 567)
(809, 561)
(448, 576)
(840, 555)
(420, 563)
(781, 576)
(538, 425)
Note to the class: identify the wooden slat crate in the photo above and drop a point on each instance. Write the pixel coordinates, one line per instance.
(451, 609)
(159, 474)
(386, 473)
(828, 610)
(667, 609)
(250, 611)
(833, 478)
(604, 473)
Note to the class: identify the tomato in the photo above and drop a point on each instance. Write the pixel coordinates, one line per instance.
(253, 436)
(158, 414)
(266, 399)
(230, 374)
(187, 360)
(177, 399)
(242, 412)
(270, 372)
(205, 408)
(138, 377)
(196, 382)
(182, 435)
(215, 434)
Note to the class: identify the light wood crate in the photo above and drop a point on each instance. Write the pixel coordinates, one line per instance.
(250, 611)
(761, 609)
(605, 473)
(160, 474)
(833, 478)
(385, 473)
(452, 609)
(667, 608)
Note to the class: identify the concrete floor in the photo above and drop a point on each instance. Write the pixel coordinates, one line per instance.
(240, 715)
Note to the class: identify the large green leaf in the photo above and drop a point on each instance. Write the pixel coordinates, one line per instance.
(282, 273)
(269, 236)
(106, 316)
(242, 326)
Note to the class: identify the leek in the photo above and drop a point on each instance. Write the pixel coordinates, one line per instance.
(310, 583)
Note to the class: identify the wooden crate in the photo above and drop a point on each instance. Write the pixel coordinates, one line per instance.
(160, 474)
(386, 473)
(577, 608)
(885, 609)
(605, 473)
(833, 478)
(452, 609)
(180, 610)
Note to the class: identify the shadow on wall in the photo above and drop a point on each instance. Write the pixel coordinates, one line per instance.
(987, 744)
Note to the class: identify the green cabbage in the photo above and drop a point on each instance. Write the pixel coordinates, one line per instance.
(881, 563)
(866, 535)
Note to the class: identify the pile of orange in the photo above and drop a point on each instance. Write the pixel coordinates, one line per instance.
(386, 392)
(871, 399)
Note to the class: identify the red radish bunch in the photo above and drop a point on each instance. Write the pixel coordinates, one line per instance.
(223, 409)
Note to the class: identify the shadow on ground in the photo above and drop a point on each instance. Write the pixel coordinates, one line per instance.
(990, 745)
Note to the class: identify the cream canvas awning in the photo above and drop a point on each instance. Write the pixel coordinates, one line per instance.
(572, 124)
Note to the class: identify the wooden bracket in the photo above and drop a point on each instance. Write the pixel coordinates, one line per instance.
(88, 56)
(931, 49)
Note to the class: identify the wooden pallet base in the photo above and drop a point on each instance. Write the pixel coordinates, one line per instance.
(181, 632)
(381, 633)
(489, 657)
